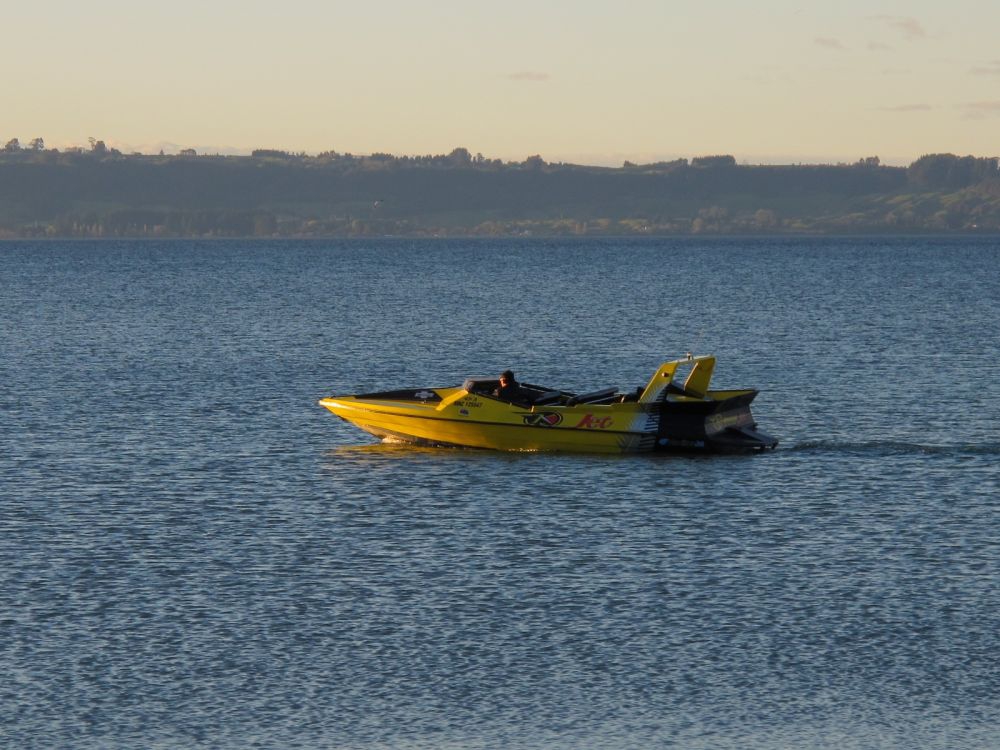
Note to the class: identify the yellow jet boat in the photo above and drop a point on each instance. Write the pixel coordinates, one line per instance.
(675, 410)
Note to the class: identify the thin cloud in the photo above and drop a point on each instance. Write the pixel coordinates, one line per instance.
(981, 110)
(878, 47)
(529, 75)
(910, 28)
(989, 69)
(828, 42)
(907, 108)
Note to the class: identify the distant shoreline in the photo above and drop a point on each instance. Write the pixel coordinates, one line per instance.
(272, 194)
(693, 238)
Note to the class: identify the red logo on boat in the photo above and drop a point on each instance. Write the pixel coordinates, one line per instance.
(543, 419)
(591, 422)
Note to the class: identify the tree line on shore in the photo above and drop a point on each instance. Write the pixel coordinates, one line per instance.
(101, 192)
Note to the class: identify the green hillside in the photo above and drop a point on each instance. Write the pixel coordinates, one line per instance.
(47, 193)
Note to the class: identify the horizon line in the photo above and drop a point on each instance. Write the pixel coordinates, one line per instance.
(606, 160)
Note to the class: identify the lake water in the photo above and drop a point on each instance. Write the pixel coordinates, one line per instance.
(194, 554)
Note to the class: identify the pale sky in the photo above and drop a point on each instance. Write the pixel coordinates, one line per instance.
(591, 82)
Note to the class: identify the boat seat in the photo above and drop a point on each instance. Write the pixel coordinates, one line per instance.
(550, 397)
(596, 397)
(480, 385)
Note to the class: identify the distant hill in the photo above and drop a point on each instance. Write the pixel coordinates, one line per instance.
(100, 192)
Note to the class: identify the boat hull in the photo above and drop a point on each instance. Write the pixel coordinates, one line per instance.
(498, 429)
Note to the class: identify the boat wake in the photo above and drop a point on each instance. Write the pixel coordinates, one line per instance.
(896, 448)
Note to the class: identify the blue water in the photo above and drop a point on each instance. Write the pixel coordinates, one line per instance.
(194, 554)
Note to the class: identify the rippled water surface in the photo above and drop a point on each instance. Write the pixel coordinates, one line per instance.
(194, 554)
